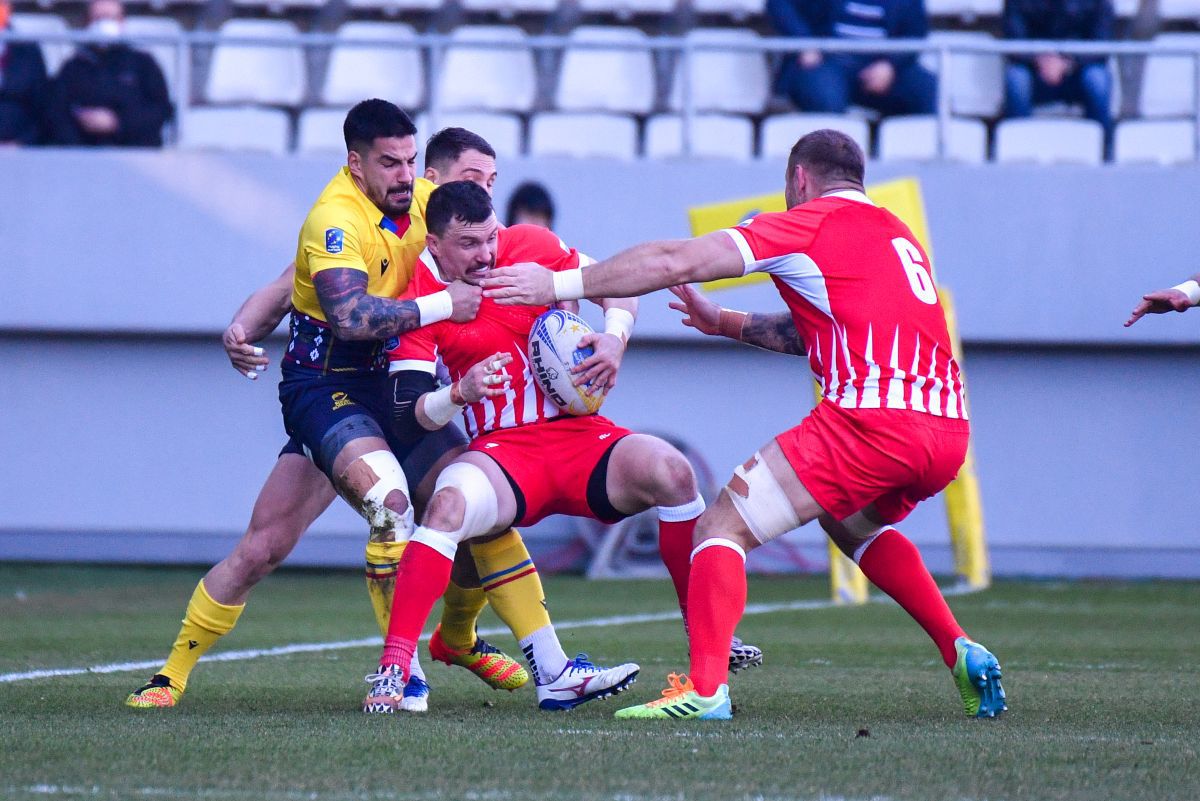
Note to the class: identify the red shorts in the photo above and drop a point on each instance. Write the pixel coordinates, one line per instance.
(557, 467)
(850, 458)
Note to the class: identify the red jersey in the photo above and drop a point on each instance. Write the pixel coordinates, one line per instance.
(860, 292)
(495, 329)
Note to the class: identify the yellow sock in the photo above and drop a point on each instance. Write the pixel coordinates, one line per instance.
(203, 624)
(382, 558)
(511, 582)
(460, 610)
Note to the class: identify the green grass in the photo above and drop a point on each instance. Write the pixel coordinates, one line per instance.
(1100, 678)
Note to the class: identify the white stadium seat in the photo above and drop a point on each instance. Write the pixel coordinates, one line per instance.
(53, 53)
(235, 128)
(915, 138)
(279, 6)
(502, 131)
(1183, 10)
(963, 9)
(319, 130)
(1155, 141)
(394, 7)
(715, 136)
(1168, 81)
(1050, 141)
(1127, 8)
(509, 8)
(583, 135)
(267, 74)
(359, 72)
(627, 8)
(987, 8)
(165, 55)
(724, 80)
(976, 80)
(737, 9)
(606, 79)
(781, 131)
(487, 77)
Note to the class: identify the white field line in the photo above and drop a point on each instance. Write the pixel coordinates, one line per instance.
(341, 645)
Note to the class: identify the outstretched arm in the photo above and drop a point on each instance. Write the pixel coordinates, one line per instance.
(1178, 298)
(258, 316)
(354, 314)
(775, 331)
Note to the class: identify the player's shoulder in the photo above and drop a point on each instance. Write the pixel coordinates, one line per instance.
(337, 205)
(526, 242)
(422, 189)
(426, 278)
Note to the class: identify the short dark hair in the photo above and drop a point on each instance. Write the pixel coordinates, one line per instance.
(828, 155)
(530, 196)
(375, 119)
(458, 200)
(445, 146)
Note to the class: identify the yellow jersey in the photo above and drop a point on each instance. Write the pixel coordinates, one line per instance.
(345, 229)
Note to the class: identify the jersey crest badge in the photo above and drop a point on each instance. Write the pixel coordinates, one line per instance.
(333, 240)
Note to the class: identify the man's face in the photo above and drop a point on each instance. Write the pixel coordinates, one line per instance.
(466, 251)
(386, 172)
(106, 10)
(473, 166)
(5, 12)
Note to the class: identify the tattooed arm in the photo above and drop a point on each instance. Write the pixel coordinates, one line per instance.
(775, 332)
(353, 314)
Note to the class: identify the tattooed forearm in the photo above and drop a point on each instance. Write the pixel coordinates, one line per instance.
(775, 332)
(354, 314)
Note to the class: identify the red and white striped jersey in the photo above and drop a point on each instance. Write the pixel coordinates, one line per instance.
(495, 329)
(860, 292)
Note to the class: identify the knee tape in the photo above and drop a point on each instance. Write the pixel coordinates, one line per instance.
(389, 478)
(480, 509)
(761, 501)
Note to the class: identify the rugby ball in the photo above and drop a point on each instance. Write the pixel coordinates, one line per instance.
(553, 351)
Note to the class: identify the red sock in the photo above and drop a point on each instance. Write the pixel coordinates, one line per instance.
(675, 546)
(421, 578)
(894, 565)
(717, 598)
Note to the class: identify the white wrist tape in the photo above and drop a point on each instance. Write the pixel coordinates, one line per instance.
(439, 407)
(435, 308)
(568, 285)
(618, 322)
(1191, 289)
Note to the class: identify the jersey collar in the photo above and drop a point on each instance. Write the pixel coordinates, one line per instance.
(852, 194)
(399, 226)
(429, 261)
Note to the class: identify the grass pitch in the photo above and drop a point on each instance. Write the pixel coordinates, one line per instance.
(851, 703)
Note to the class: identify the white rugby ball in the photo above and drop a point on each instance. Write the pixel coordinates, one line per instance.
(553, 351)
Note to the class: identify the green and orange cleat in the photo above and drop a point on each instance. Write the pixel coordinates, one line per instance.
(156, 694)
(977, 674)
(495, 668)
(680, 701)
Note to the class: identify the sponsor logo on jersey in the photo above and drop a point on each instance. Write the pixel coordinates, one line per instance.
(392, 343)
(340, 400)
(333, 240)
(606, 435)
(543, 372)
(383, 265)
(492, 445)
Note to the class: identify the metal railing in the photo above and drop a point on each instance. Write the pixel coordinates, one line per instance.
(435, 47)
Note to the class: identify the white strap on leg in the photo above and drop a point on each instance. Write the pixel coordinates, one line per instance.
(480, 508)
(389, 478)
(766, 508)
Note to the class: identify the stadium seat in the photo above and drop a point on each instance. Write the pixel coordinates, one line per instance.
(394, 73)
(257, 73)
(279, 6)
(393, 7)
(963, 9)
(1168, 81)
(319, 130)
(606, 79)
(781, 131)
(724, 80)
(53, 53)
(1127, 8)
(624, 9)
(509, 8)
(1155, 141)
(987, 8)
(234, 128)
(976, 80)
(1180, 10)
(484, 76)
(1050, 141)
(167, 56)
(716, 136)
(915, 138)
(583, 135)
(736, 9)
(502, 131)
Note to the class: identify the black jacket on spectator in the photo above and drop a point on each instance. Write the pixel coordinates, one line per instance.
(118, 77)
(844, 19)
(23, 88)
(1059, 19)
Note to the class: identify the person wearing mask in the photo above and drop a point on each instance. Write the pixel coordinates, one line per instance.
(22, 87)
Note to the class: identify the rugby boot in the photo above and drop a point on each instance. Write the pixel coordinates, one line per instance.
(680, 701)
(156, 694)
(977, 674)
(416, 695)
(497, 669)
(743, 655)
(387, 690)
(581, 681)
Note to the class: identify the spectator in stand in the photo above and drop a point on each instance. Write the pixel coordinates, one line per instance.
(531, 203)
(1055, 77)
(23, 87)
(108, 93)
(829, 82)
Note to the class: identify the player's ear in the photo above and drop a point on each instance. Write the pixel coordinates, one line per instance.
(354, 161)
(431, 242)
(431, 175)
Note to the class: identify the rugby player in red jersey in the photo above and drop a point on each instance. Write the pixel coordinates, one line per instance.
(527, 458)
(891, 429)
(1180, 297)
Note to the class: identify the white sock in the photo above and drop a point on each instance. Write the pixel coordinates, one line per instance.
(544, 654)
(414, 668)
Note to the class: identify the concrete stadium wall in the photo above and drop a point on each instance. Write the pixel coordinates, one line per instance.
(128, 436)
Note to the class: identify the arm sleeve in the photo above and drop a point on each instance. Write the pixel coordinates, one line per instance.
(407, 387)
(788, 19)
(147, 109)
(913, 23)
(1101, 29)
(765, 239)
(330, 238)
(537, 244)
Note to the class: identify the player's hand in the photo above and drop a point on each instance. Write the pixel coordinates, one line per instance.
(245, 358)
(877, 78)
(599, 369)
(699, 312)
(488, 379)
(1159, 302)
(525, 284)
(465, 299)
